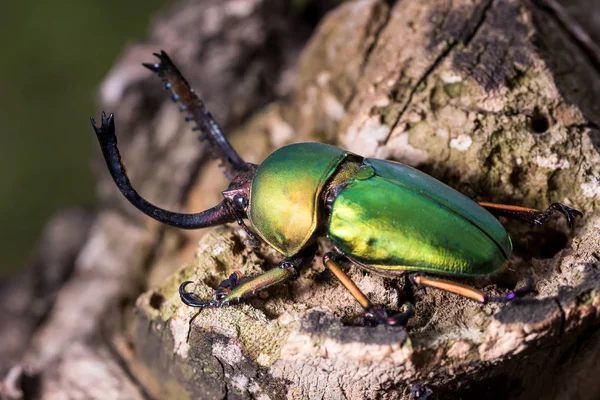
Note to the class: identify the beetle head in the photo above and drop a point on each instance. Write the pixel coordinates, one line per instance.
(238, 192)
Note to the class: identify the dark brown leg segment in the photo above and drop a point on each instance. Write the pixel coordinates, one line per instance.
(532, 215)
(373, 312)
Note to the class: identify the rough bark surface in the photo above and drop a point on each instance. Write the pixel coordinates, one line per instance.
(494, 98)
(467, 92)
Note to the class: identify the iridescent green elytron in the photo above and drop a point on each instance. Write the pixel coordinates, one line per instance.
(393, 218)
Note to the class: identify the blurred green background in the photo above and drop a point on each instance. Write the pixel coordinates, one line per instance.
(54, 55)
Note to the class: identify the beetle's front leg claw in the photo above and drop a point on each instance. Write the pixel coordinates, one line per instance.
(221, 293)
(190, 300)
(380, 315)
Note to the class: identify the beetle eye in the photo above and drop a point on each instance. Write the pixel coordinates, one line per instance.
(240, 202)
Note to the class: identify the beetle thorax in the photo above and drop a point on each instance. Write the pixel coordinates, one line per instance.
(285, 193)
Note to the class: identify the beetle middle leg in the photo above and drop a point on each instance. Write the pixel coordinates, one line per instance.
(373, 312)
(532, 215)
(233, 289)
(469, 292)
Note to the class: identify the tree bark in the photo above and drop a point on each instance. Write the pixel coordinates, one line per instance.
(495, 98)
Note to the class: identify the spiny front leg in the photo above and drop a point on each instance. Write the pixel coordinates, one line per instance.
(532, 215)
(375, 313)
(237, 287)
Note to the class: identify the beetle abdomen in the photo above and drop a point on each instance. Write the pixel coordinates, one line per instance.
(395, 218)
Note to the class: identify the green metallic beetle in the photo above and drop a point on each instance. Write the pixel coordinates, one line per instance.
(384, 216)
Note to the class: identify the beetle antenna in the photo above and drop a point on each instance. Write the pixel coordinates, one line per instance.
(218, 215)
(197, 112)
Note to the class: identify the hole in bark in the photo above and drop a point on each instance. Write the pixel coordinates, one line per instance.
(539, 122)
(515, 176)
(31, 386)
(238, 245)
(553, 242)
(156, 300)
(543, 242)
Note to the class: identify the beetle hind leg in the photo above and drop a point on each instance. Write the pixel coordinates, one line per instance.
(532, 215)
(469, 292)
(374, 313)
